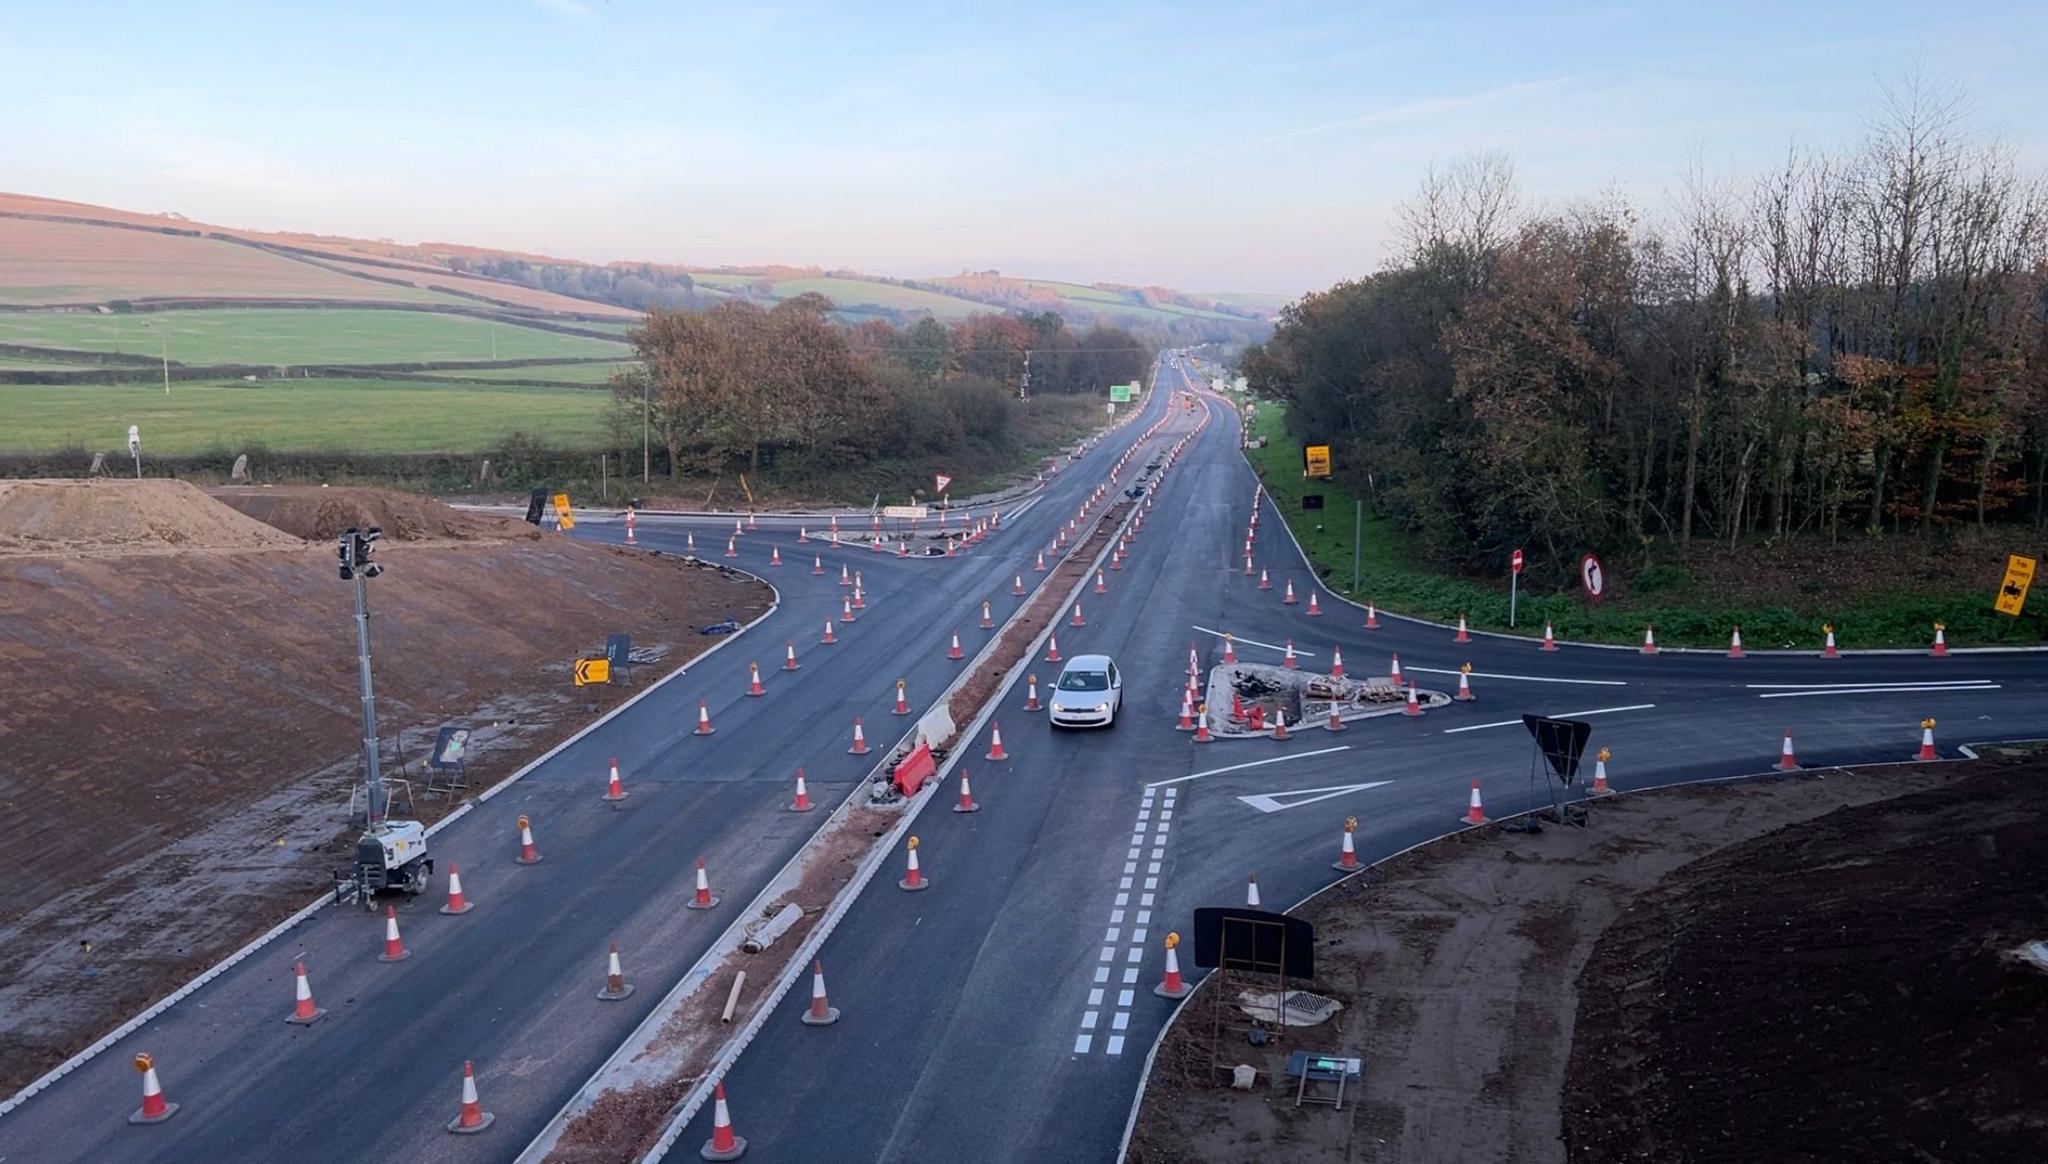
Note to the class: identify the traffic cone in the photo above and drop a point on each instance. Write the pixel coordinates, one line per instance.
(987, 623)
(1600, 773)
(1786, 761)
(1078, 620)
(802, 803)
(1549, 638)
(1052, 649)
(1828, 650)
(1100, 586)
(1336, 722)
(1287, 661)
(751, 525)
(1927, 751)
(1229, 650)
(1194, 666)
(1394, 669)
(913, 877)
(754, 687)
(953, 652)
(615, 985)
(1040, 567)
(1248, 571)
(394, 949)
(1172, 987)
(846, 610)
(704, 727)
(1649, 640)
(702, 899)
(1280, 724)
(1464, 694)
(828, 640)
(528, 855)
(304, 1013)
(1475, 815)
(1940, 650)
(153, 1110)
(457, 904)
(613, 789)
(822, 1013)
(1202, 735)
(1414, 706)
(1314, 611)
(723, 1145)
(995, 744)
(1017, 587)
(803, 535)
(736, 528)
(966, 801)
(473, 1118)
(817, 564)
(732, 548)
(1463, 636)
(789, 662)
(629, 527)
(1347, 857)
(1031, 693)
(1289, 599)
(1372, 616)
(1735, 643)
(860, 742)
(1187, 713)
(902, 702)
(775, 556)
(860, 594)
(845, 575)
(690, 543)
(1251, 891)
(1336, 662)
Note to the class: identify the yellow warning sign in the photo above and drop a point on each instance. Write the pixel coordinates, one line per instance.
(562, 511)
(2012, 593)
(590, 671)
(1315, 460)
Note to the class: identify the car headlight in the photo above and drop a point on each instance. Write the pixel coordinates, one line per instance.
(1102, 707)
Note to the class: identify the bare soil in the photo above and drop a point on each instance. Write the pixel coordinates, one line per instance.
(321, 514)
(1793, 917)
(181, 727)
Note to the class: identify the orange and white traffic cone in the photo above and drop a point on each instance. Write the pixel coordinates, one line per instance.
(704, 727)
(966, 801)
(1280, 724)
(845, 575)
(1464, 694)
(1194, 660)
(803, 535)
(528, 855)
(817, 565)
(1289, 599)
(1414, 705)
(1600, 787)
(913, 877)
(1828, 650)
(754, 687)
(995, 744)
(1463, 635)
(690, 543)
(1229, 650)
(953, 652)
(828, 640)
(1314, 611)
(1474, 814)
(1101, 587)
(846, 610)
(1251, 891)
(1940, 650)
(1336, 721)
(154, 1109)
(802, 803)
(1052, 649)
(860, 742)
(987, 623)
(775, 556)
(1078, 620)
(1649, 640)
(614, 790)
(1017, 586)
(1172, 986)
(732, 548)
(1031, 693)
(1394, 669)
(1347, 857)
(1187, 712)
(860, 596)
(1735, 643)
(1202, 735)
(1372, 617)
(1336, 662)
(457, 903)
(473, 1118)
(1265, 583)
(723, 1145)
(789, 662)
(1287, 661)
(615, 985)
(751, 525)
(702, 898)
(1549, 638)
(1927, 751)
(1786, 761)
(629, 527)
(394, 949)
(1040, 567)
(902, 700)
(821, 1013)
(304, 1013)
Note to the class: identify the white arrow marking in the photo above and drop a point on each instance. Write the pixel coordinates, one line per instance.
(1272, 801)
(1561, 715)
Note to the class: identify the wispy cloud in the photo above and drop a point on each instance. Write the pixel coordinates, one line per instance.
(1405, 113)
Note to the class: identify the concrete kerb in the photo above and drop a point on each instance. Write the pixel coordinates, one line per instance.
(879, 853)
(1145, 1074)
(280, 929)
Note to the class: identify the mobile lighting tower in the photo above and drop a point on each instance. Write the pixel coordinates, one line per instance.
(391, 854)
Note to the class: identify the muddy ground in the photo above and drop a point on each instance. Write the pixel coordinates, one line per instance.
(1804, 969)
(181, 729)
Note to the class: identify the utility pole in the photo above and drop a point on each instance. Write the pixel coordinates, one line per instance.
(167, 361)
(355, 549)
(1357, 540)
(1024, 381)
(646, 429)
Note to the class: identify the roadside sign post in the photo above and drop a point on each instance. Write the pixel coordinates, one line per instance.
(1514, 586)
(135, 448)
(1357, 540)
(2012, 592)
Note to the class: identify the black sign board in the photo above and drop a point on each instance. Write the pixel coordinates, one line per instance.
(1235, 938)
(451, 746)
(1311, 501)
(536, 504)
(1562, 742)
(619, 649)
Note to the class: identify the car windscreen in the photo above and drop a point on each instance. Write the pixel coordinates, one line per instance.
(1084, 681)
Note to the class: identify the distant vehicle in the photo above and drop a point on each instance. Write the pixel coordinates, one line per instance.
(1088, 693)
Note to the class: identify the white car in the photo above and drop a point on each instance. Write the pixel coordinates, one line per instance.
(1087, 693)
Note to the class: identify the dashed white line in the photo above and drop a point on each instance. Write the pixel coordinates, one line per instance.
(1878, 691)
(1113, 934)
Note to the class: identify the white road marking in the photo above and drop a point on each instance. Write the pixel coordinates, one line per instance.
(1914, 684)
(1271, 801)
(1134, 952)
(1518, 678)
(1250, 764)
(1560, 715)
(1878, 691)
(1298, 652)
(1081, 1044)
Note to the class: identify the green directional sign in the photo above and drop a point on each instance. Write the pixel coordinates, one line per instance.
(1119, 393)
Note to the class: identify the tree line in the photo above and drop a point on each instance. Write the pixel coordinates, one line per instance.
(1851, 342)
(743, 387)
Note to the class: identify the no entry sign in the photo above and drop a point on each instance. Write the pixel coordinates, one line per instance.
(1516, 562)
(1592, 577)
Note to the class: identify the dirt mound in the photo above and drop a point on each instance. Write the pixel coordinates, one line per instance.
(96, 518)
(320, 514)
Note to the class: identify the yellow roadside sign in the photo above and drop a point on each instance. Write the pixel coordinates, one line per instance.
(1316, 460)
(562, 511)
(2012, 593)
(589, 671)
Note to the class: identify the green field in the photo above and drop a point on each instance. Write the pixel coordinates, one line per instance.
(1122, 302)
(385, 416)
(560, 373)
(853, 294)
(308, 336)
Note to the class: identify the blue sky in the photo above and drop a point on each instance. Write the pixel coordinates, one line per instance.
(1240, 146)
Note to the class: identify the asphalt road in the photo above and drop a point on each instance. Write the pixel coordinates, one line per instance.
(988, 1018)
(511, 984)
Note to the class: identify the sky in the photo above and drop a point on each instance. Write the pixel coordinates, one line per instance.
(1259, 147)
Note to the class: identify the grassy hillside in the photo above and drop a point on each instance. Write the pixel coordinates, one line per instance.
(855, 294)
(271, 336)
